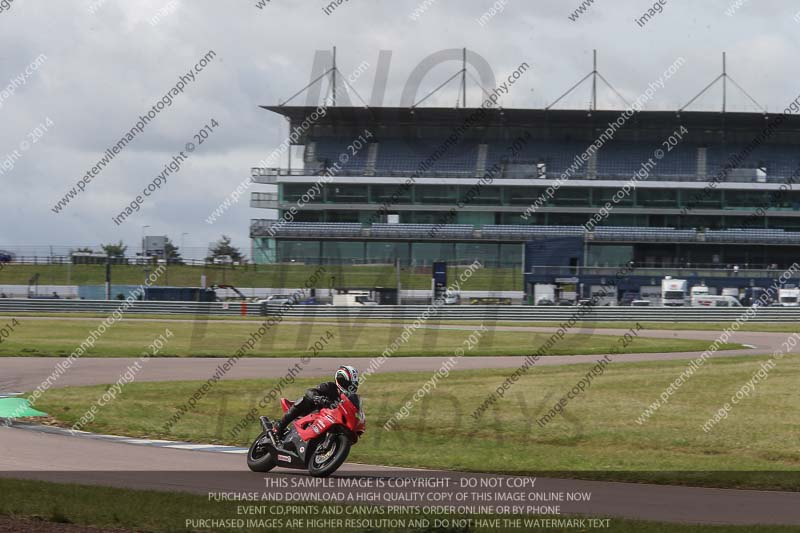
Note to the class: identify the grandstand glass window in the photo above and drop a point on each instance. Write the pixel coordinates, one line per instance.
(387, 252)
(786, 223)
(390, 193)
(263, 250)
(566, 219)
(480, 195)
(609, 256)
(511, 255)
(700, 222)
(738, 199)
(467, 251)
(669, 221)
(622, 220)
(436, 194)
(655, 221)
(514, 219)
(343, 216)
(572, 197)
(346, 194)
(667, 198)
(297, 251)
(521, 195)
(307, 215)
(425, 253)
(783, 200)
(292, 192)
(337, 252)
(788, 200)
(605, 194)
(475, 218)
(420, 217)
(747, 223)
(703, 198)
(490, 254)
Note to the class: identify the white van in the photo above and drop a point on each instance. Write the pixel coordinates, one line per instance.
(712, 300)
(353, 298)
(789, 296)
(673, 291)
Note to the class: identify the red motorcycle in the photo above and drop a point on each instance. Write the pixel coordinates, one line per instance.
(319, 442)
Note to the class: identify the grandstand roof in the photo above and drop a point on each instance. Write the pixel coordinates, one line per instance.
(442, 116)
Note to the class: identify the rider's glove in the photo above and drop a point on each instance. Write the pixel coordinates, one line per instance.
(320, 400)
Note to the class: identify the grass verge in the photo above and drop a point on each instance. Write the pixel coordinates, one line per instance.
(776, 327)
(128, 338)
(596, 437)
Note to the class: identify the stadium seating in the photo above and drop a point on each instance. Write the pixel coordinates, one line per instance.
(779, 161)
(517, 232)
(622, 159)
(523, 232)
(309, 229)
(557, 156)
(615, 160)
(332, 150)
(397, 157)
(754, 236)
(634, 233)
(422, 231)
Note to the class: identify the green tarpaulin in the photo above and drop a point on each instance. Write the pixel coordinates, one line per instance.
(17, 408)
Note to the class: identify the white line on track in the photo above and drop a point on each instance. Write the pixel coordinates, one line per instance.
(158, 443)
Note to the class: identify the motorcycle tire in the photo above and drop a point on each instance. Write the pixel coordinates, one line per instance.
(329, 465)
(257, 462)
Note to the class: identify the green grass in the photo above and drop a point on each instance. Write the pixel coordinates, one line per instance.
(159, 511)
(284, 275)
(598, 438)
(214, 338)
(774, 327)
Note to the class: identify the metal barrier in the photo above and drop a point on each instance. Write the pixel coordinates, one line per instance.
(410, 312)
(24, 305)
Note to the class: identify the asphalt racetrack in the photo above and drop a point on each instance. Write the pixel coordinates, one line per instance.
(26, 373)
(27, 451)
(29, 454)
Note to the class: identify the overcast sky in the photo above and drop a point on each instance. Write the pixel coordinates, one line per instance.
(106, 62)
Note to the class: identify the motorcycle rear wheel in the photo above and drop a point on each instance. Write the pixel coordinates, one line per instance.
(257, 459)
(323, 463)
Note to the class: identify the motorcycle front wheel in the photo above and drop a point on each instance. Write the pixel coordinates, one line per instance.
(259, 457)
(329, 455)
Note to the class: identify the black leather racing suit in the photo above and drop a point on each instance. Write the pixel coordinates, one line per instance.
(314, 398)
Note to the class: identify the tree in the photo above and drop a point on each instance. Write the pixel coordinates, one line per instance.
(224, 247)
(171, 253)
(114, 250)
(81, 251)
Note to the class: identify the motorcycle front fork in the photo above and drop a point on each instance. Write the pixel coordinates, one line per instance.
(266, 425)
(326, 444)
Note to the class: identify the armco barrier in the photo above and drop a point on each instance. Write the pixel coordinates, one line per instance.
(23, 305)
(498, 313)
(410, 312)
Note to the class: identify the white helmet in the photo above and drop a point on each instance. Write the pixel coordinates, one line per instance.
(347, 379)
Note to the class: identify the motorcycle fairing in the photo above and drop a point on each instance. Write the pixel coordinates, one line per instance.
(289, 458)
(317, 424)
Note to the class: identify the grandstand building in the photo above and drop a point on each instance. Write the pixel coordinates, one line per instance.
(514, 187)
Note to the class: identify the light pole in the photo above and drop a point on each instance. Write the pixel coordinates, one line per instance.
(143, 228)
(182, 236)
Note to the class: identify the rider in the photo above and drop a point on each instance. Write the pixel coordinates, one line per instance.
(345, 381)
